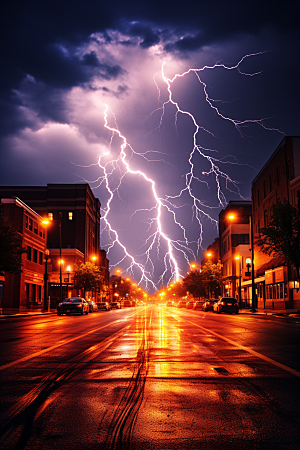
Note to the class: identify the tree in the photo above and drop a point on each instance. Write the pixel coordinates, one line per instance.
(87, 276)
(192, 283)
(10, 248)
(212, 279)
(281, 237)
(121, 286)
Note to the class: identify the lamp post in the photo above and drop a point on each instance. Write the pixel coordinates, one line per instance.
(232, 217)
(46, 303)
(47, 222)
(252, 265)
(240, 279)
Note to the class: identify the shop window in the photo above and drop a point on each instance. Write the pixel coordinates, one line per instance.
(70, 215)
(29, 252)
(281, 291)
(34, 255)
(50, 216)
(39, 293)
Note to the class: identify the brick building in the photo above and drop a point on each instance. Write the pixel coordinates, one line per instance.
(73, 231)
(25, 291)
(278, 181)
(234, 238)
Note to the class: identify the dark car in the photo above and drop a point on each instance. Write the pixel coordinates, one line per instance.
(209, 304)
(73, 305)
(181, 304)
(115, 305)
(189, 305)
(197, 305)
(92, 306)
(127, 303)
(227, 305)
(103, 306)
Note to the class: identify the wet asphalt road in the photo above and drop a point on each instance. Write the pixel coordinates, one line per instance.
(149, 378)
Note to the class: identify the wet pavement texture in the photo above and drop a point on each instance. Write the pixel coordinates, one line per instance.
(149, 378)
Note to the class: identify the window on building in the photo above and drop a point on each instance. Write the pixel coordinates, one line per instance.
(70, 215)
(50, 216)
(242, 239)
(39, 293)
(29, 224)
(60, 214)
(26, 221)
(35, 227)
(34, 255)
(29, 252)
(40, 258)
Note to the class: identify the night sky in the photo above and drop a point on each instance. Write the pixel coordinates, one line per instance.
(89, 94)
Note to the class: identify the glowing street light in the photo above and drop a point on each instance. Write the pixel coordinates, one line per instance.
(232, 217)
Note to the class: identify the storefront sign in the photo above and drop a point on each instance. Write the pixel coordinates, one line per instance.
(269, 277)
(279, 274)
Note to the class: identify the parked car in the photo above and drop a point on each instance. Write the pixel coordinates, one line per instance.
(181, 304)
(103, 306)
(93, 307)
(169, 303)
(209, 304)
(127, 303)
(197, 305)
(115, 305)
(227, 305)
(189, 305)
(73, 305)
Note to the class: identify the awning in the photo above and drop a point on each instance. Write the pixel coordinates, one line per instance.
(272, 264)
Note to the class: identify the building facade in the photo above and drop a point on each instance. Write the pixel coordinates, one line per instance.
(234, 238)
(73, 213)
(277, 182)
(25, 291)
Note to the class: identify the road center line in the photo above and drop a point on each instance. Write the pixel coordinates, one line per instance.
(63, 342)
(249, 350)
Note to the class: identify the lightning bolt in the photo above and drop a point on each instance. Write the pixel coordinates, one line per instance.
(116, 168)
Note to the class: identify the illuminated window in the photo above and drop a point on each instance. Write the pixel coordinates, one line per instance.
(70, 215)
(50, 216)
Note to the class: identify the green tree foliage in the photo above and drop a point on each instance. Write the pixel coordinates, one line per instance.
(10, 248)
(87, 276)
(281, 237)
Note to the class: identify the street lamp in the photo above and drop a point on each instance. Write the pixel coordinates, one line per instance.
(232, 217)
(240, 279)
(46, 303)
(47, 222)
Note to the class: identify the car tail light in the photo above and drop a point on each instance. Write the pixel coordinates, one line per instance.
(223, 303)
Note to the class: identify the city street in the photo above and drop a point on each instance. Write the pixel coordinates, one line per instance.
(150, 377)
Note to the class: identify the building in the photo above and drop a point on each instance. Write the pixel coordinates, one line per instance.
(73, 231)
(234, 238)
(25, 291)
(278, 181)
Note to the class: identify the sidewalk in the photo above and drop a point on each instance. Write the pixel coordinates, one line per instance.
(286, 315)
